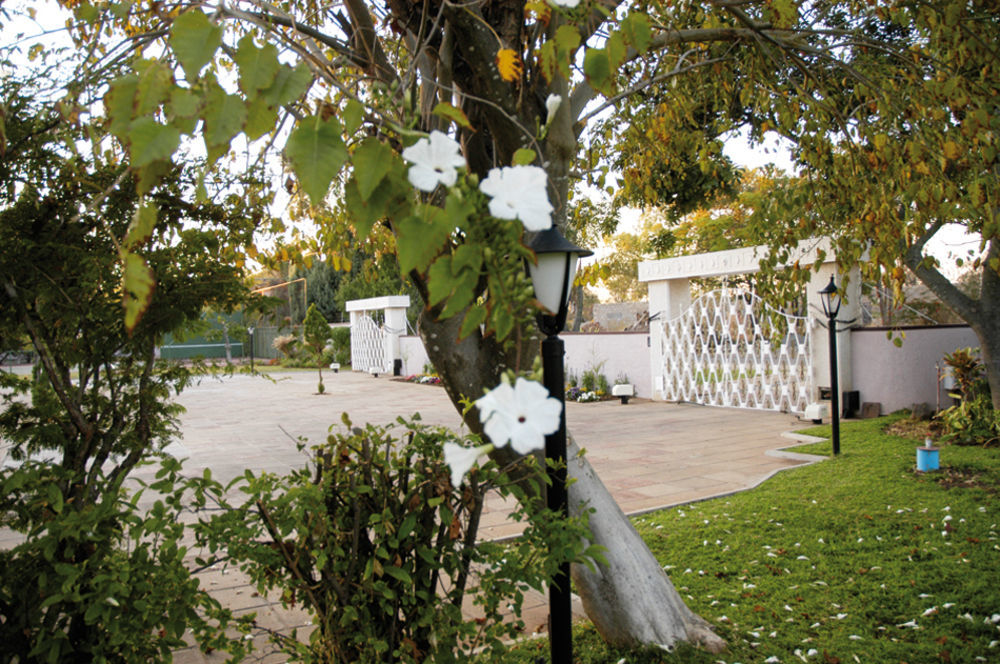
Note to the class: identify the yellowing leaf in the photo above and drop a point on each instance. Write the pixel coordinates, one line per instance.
(951, 150)
(456, 115)
(509, 65)
(137, 288)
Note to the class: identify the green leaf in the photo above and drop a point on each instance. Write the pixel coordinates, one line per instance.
(475, 317)
(439, 280)
(316, 153)
(372, 162)
(289, 84)
(151, 174)
(597, 69)
(261, 118)
(141, 228)
(366, 213)
(55, 497)
(353, 116)
(119, 103)
(194, 40)
(615, 47)
(138, 284)
(150, 141)
(453, 113)
(224, 116)
(468, 257)
(155, 79)
(523, 157)
(637, 32)
(420, 238)
(457, 211)
(182, 109)
(398, 573)
(258, 66)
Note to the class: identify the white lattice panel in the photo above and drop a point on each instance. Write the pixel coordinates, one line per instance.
(730, 349)
(367, 344)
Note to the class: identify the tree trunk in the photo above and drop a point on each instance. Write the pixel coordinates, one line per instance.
(631, 601)
(982, 314)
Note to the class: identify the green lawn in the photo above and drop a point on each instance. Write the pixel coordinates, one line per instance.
(856, 559)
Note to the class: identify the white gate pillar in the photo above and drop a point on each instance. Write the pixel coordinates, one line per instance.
(668, 299)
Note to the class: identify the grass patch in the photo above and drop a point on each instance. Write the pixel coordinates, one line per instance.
(855, 559)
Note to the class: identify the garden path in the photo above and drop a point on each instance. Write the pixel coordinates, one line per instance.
(650, 455)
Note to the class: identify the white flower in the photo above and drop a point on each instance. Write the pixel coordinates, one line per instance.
(518, 192)
(434, 161)
(523, 415)
(461, 459)
(552, 103)
(568, 4)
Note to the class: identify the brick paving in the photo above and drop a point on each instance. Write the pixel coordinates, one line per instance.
(650, 455)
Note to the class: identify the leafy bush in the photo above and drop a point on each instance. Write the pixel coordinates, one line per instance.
(973, 421)
(341, 338)
(377, 545)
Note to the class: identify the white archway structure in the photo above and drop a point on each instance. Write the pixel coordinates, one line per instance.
(669, 280)
(374, 346)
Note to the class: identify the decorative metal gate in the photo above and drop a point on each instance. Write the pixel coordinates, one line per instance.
(731, 349)
(367, 344)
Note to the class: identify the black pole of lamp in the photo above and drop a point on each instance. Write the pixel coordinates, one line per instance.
(553, 279)
(831, 307)
(251, 347)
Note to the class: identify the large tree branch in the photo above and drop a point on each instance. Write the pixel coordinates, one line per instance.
(963, 305)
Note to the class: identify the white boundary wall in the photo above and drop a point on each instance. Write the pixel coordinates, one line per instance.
(896, 377)
(621, 353)
(900, 376)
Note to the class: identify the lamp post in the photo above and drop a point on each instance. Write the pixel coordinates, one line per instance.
(831, 307)
(552, 278)
(250, 329)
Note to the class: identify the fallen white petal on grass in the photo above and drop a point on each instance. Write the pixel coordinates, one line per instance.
(773, 659)
(968, 616)
(924, 595)
(912, 624)
(930, 612)
(812, 652)
(854, 637)
(995, 618)
(993, 644)
(841, 616)
(788, 608)
(773, 635)
(947, 605)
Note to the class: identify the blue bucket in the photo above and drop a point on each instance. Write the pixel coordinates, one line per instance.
(927, 459)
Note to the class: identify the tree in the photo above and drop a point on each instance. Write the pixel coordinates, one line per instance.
(316, 332)
(322, 284)
(364, 81)
(889, 155)
(94, 578)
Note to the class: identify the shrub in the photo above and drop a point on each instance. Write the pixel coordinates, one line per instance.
(973, 421)
(285, 344)
(341, 338)
(377, 545)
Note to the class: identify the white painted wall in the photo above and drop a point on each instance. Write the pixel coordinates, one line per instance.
(620, 352)
(899, 377)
